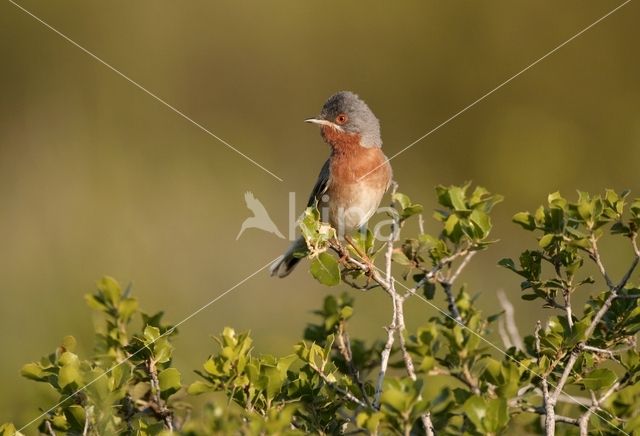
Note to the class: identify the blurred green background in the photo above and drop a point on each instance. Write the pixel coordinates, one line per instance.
(96, 177)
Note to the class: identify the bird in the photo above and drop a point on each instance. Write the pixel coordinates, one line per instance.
(354, 178)
(260, 218)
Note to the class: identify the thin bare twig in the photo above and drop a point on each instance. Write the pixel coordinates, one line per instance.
(548, 401)
(344, 347)
(384, 361)
(421, 223)
(504, 336)
(595, 405)
(594, 254)
(447, 285)
(598, 350)
(49, 428)
(88, 411)
(509, 320)
(348, 395)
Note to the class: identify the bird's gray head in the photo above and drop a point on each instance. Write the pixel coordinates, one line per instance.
(346, 112)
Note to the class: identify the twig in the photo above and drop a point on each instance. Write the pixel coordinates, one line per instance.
(397, 324)
(447, 283)
(566, 294)
(558, 418)
(614, 289)
(598, 350)
(344, 347)
(509, 319)
(348, 395)
(594, 254)
(406, 357)
(463, 264)
(502, 331)
(548, 401)
(595, 405)
(421, 223)
(157, 404)
(47, 425)
(88, 411)
(384, 361)
(634, 264)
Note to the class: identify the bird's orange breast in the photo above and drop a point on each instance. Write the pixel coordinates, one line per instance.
(350, 161)
(359, 177)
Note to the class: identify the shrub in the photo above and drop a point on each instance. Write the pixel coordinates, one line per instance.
(577, 372)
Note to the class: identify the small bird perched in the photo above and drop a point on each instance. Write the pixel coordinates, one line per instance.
(354, 178)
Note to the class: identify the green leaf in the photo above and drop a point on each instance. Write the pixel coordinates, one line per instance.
(482, 221)
(429, 289)
(169, 381)
(70, 370)
(75, 416)
(400, 258)
(111, 289)
(456, 194)
(599, 379)
(151, 334)
(497, 415)
(428, 362)
(525, 219)
(546, 240)
(33, 371)
(162, 350)
(325, 269)
(476, 409)
(577, 333)
(127, 308)
(69, 343)
(402, 199)
(94, 302)
(8, 429)
(199, 387)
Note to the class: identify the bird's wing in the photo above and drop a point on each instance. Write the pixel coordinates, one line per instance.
(321, 185)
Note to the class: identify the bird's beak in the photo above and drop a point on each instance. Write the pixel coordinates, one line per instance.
(322, 122)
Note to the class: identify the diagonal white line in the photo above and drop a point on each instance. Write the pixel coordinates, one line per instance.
(168, 332)
(469, 106)
(142, 88)
(501, 351)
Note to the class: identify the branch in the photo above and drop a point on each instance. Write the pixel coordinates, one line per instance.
(594, 254)
(595, 405)
(406, 357)
(156, 404)
(614, 289)
(88, 411)
(344, 346)
(598, 350)
(548, 402)
(348, 395)
(49, 428)
(451, 302)
(384, 362)
(634, 264)
(447, 285)
(502, 331)
(558, 418)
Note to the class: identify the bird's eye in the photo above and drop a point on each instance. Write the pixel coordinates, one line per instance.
(341, 119)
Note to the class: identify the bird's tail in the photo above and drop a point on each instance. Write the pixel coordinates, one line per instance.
(283, 265)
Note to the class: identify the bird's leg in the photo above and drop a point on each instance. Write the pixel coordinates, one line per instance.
(343, 254)
(364, 257)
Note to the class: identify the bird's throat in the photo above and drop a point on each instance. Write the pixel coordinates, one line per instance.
(340, 142)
